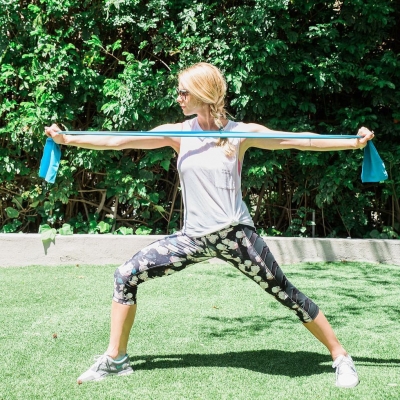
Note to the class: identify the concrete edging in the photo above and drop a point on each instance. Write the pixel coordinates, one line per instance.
(17, 250)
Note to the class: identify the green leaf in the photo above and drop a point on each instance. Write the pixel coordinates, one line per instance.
(123, 230)
(143, 230)
(104, 227)
(160, 209)
(47, 233)
(375, 234)
(12, 212)
(165, 164)
(66, 229)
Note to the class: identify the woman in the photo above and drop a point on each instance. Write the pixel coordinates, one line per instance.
(216, 220)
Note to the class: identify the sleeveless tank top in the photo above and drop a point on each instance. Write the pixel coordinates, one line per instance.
(211, 183)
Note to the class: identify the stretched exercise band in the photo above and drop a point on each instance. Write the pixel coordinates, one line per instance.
(373, 168)
(211, 134)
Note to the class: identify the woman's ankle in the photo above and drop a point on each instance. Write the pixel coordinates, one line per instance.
(338, 352)
(116, 354)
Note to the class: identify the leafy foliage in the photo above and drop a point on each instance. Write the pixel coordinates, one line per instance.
(322, 66)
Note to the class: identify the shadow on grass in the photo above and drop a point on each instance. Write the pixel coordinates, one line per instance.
(241, 326)
(269, 362)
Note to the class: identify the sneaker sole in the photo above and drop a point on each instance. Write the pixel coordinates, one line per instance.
(122, 373)
(348, 386)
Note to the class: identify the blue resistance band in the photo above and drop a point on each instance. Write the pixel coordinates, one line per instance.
(373, 168)
(50, 161)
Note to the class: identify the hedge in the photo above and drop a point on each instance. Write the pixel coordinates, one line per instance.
(320, 66)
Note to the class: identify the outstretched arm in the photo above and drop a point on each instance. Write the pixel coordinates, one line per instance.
(305, 144)
(100, 142)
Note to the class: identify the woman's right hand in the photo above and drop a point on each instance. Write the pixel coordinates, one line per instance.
(52, 132)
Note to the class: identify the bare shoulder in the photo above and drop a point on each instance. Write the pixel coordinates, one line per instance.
(168, 127)
(251, 128)
(254, 128)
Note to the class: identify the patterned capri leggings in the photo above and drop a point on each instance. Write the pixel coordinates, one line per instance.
(238, 245)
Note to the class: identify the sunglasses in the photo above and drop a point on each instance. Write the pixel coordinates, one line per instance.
(182, 93)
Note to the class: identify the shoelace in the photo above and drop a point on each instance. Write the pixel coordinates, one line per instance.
(344, 365)
(99, 359)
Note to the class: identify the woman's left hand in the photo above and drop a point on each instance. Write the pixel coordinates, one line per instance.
(366, 135)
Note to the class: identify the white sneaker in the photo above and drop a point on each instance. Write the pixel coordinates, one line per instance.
(346, 374)
(105, 366)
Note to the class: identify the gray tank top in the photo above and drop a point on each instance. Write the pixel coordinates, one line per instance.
(211, 183)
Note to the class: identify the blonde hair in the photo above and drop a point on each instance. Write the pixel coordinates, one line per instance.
(206, 84)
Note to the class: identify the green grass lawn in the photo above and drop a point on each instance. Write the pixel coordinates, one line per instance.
(204, 333)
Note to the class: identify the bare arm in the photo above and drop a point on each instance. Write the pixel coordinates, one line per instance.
(304, 144)
(99, 142)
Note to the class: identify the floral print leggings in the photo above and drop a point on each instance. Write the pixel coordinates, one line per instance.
(239, 245)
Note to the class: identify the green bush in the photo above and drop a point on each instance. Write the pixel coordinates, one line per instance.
(321, 66)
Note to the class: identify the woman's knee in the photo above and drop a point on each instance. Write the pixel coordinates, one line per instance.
(125, 284)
